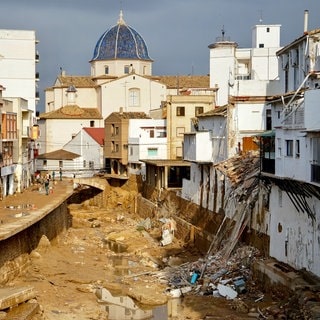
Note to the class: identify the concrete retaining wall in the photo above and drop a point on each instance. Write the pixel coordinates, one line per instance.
(15, 250)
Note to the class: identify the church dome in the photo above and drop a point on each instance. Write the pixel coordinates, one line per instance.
(121, 42)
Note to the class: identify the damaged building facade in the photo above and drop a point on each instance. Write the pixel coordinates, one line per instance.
(274, 192)
(294, 148)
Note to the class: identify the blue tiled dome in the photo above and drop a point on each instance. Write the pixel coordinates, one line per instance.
(121, 42)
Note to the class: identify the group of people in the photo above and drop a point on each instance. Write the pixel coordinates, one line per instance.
(47, 178)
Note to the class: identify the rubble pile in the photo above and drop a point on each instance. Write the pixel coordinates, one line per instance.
(211, 276)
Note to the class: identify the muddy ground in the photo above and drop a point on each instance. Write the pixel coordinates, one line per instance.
(108, 248)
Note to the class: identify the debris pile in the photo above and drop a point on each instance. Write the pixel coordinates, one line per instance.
(214, 275)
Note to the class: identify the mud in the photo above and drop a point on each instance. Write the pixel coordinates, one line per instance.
(107, 248)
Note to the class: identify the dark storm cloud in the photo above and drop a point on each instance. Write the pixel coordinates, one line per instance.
(177, 32)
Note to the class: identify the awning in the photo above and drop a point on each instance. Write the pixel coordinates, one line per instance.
(269, 133)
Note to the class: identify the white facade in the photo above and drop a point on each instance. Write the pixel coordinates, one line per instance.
(295, 198)
(18, 58)
(132, 93)
(147, 140)
(90, 151)
(237, 72)
(202, 148)
(55, 133)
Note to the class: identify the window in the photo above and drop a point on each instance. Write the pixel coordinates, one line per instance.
(162, 134)
(134, 97)
(261, 45)
(114, 130)
(91, 164)
(198, 110)
(126, 69)
(268, 29)
(289, 148)
(151, 133)
(180, 111)
(268, 120)
(84, 163)
(106, 69)
(131, 151)
(152, 152)
(60, 164)
(180, 131)
(297, 148)
(92, 124)
(125, 147)
(44, 163)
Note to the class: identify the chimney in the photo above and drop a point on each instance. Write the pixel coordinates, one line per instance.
(306, 16)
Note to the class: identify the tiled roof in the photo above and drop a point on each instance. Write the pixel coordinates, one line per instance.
(72, 112)
(202, 81)
(58, 155)
(96, 133)
(218, 111)
(76, 81)
(131, 115)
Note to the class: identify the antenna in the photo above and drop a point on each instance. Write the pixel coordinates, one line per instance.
(261, 17)
(223, 32)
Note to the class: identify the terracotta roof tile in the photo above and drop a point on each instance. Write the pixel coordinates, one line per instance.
(97, 134)
(58, 155)
(77, 81)
(72, 112)
(202, 81)
(131, 115)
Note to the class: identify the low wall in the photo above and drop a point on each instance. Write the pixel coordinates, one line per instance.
(15, 250)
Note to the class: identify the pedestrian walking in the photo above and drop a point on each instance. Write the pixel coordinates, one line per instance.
(46, 183)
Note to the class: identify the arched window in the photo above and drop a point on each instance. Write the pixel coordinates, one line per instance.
(106, 69)
(134, 97)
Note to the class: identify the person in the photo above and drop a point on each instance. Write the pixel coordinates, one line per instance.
(53, 175)
(60, 173)
(46, 184)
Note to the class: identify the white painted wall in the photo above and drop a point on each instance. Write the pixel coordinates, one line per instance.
(115, 95)
(55, 133)
(140, 141)
(89, 150)
(293, 235)
(18, 64)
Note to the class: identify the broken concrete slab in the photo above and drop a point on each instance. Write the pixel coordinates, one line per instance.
(12, 296)
(24, 311)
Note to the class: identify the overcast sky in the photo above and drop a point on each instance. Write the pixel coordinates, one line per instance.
(177, 32)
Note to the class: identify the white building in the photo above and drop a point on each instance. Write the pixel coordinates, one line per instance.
(205, 145)
(244, 77)
(18, 74)
(147, 140)
(81, 156)
(121, 79)
(291, 156)
(18, 59)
